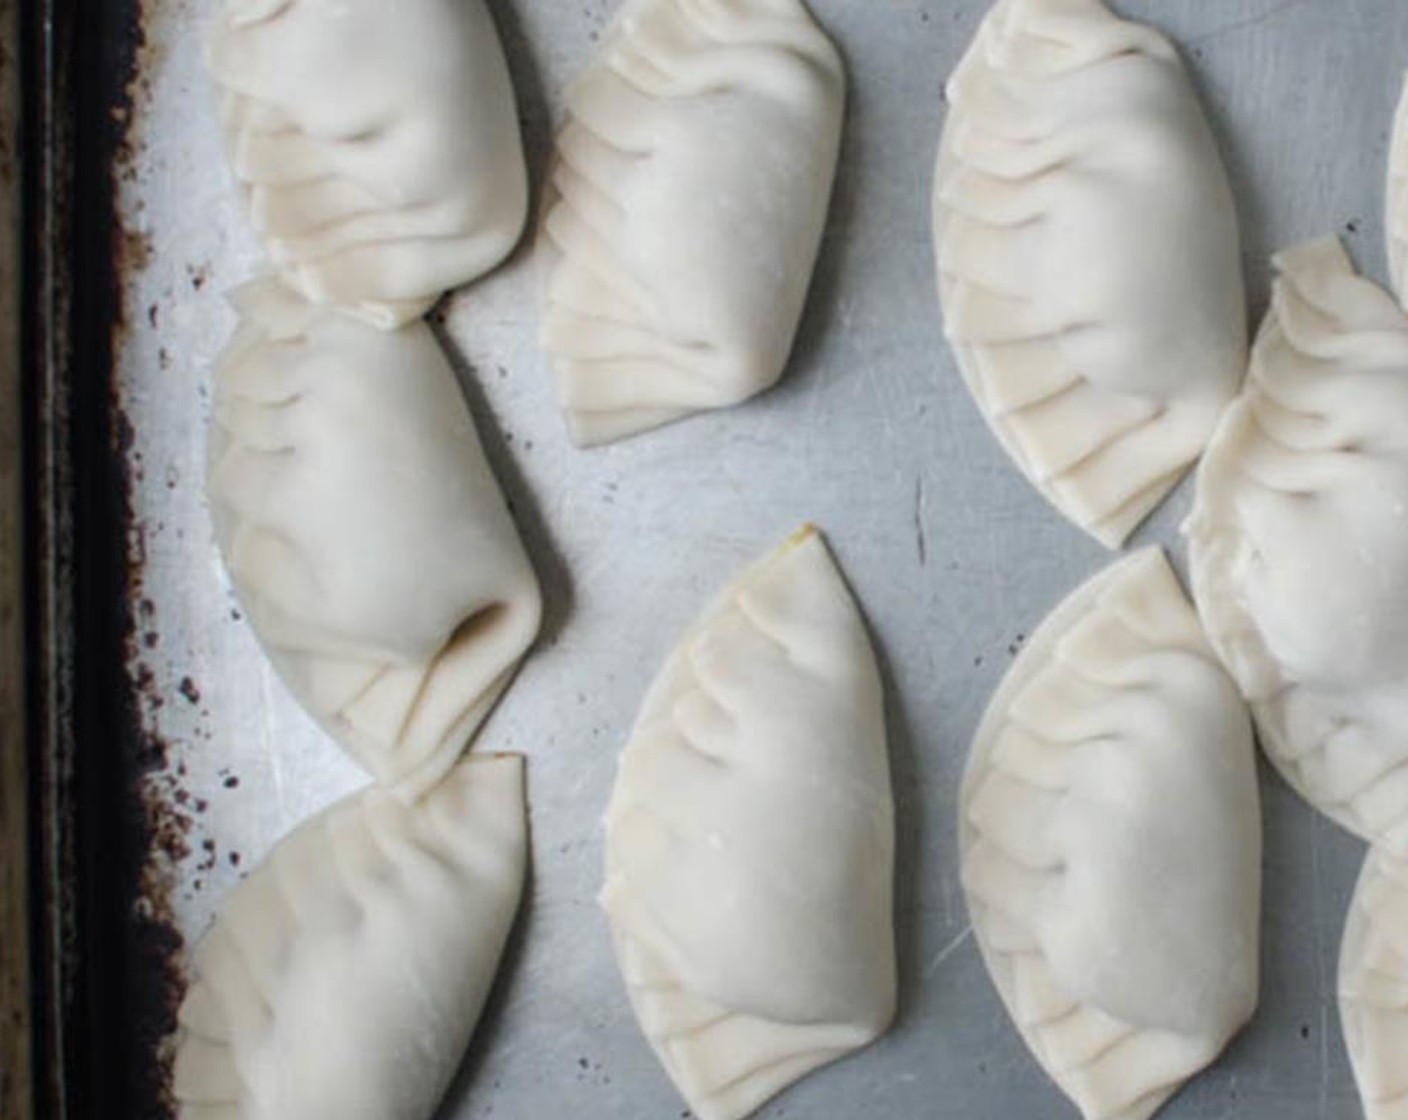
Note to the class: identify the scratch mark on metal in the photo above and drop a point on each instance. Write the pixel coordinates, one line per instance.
(946, 893)
(1324, 1060)
(1245, 24)
(1321, 976)
(948, 951)
(921, 539)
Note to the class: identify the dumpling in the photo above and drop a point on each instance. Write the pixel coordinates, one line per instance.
(377, 142)
(1396, 218)
(1299, 541)
(1088, 254)
(750, 841)
(686, 209)
(365, 533)
(1111, 845)
(342, 980)
(1374, 986)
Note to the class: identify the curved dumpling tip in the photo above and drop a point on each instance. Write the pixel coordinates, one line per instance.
(1299, 541)
(686, 208)
(1373, 986)
(365, 533)
(750, 840)
(344, 977)
(1111, 844)
(1088, 256)
(377, 145)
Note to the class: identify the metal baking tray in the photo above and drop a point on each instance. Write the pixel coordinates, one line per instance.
(166, 759)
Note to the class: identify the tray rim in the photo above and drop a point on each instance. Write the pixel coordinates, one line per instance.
(82, 839)
(16, 1048)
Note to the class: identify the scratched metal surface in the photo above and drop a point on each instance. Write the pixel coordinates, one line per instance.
(871, 435)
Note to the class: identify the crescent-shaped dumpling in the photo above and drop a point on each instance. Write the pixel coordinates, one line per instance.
(1396, 209)
(1088, 254)
(1299, 541)
(377, 142)
(1111, 844)
(1374, 986)
(750, 841)
(686, 209)
(364, 532)
(342, 980)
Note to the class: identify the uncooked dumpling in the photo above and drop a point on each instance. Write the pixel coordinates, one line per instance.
(365, 533)
(1111, 844)
(1374, 986)
(342, 980)
(378, 144)
(750, 841)
(1089, 262)
(1396, 216)
(1299, 541)
(687, 206)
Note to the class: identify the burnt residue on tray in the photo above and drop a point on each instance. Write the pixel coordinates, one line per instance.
(116, 953)
(159, 815)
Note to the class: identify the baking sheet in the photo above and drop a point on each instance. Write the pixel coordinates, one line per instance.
(871, 435)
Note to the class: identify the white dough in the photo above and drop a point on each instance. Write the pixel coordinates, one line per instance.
(365, 533)
(1396, 216)
(1374, 986)
(377, 142)
(1111, 844)
(1299, 541)
(342, 980)
(1088, 254)
(686, 209)
(750, 841)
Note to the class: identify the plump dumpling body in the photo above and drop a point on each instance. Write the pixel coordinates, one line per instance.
(1111, 844)
(1374, 986)
(750, 841)
(342, 980)
(377, 142)
(365, 533)
(687, 205)
(1088, 255)
(1299, 541)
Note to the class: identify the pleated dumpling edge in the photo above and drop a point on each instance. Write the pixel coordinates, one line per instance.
(1298, 542)
(685, 211)
(376, 144)
(365, 533)
(750, 841)
(1111, 844)
(1088, 256)
(346, 974)
(1373, 985)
